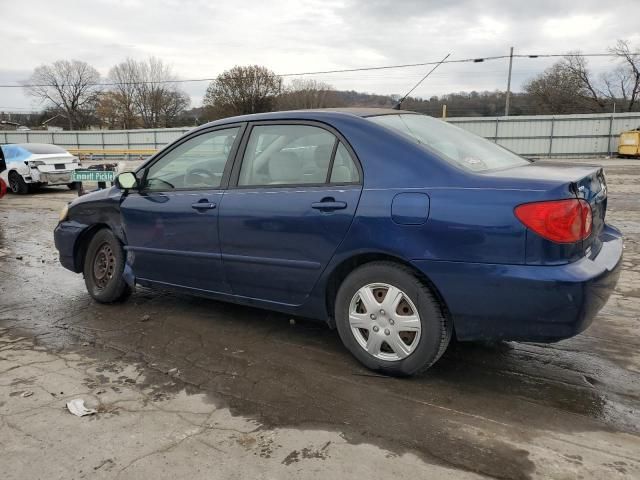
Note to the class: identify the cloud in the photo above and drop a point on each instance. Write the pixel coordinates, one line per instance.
(203, 38)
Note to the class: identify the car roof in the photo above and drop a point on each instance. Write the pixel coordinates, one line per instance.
(309, 114)
(358, 111)
(38, 148)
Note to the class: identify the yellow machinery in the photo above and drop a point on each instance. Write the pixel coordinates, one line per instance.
(629, 144)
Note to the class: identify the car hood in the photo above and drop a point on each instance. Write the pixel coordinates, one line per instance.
(95, 196)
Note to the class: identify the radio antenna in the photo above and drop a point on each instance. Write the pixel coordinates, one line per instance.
(399, 104)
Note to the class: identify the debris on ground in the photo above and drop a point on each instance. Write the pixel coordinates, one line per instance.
(292, 321)
(78, 408)
(26, 394)
(145, 318)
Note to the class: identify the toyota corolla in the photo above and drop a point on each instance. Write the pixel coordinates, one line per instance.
(395, 228)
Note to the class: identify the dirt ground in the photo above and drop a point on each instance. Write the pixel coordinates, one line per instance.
(187, 387)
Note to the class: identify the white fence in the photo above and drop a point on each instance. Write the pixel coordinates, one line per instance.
(554, 135)
(542, 135)
(98, 139)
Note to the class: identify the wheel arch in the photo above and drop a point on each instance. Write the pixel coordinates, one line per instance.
(82, 243)
(344, 268)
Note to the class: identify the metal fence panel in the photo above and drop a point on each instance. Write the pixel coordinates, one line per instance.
(554, 135)
(541, 135)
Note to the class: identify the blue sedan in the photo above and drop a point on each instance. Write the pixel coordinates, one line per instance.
(399, 230)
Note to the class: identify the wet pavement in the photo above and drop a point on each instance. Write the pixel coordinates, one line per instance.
(189, 386)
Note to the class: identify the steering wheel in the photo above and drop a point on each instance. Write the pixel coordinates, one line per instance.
(210, 178)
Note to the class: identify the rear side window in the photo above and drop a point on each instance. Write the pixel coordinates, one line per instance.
(286, 155)
(344, 168)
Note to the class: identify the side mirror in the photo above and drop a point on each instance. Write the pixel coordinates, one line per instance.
(127, 181)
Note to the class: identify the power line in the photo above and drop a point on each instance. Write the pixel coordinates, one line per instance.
(343, 70)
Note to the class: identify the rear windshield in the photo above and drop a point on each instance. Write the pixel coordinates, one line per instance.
(451, 143)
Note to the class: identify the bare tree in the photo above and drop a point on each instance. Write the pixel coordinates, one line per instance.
(174, 104)
(556, 91)
(626, 78)
(308, 93)
(156, 94)
(576, 66)
(68, 85)
(123, 96)
(242, 90)
(146, 93)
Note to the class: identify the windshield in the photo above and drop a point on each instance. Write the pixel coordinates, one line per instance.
(453, 144)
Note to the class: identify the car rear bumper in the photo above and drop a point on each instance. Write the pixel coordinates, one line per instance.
(527, 302)
(65, 236)
(56, 178)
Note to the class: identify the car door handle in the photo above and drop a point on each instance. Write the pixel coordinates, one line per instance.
(203, 205)
(329, 205)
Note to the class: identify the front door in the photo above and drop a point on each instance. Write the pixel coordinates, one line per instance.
(171, 223)
(294, 198)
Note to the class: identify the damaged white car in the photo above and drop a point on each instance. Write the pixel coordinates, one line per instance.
(31, 165)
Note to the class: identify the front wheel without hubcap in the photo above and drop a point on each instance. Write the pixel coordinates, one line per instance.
(390, 320)
(103, 268)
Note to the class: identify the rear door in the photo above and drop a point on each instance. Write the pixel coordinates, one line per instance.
(293, 196)
(171, 224)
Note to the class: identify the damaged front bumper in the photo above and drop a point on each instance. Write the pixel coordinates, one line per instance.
(65, 236)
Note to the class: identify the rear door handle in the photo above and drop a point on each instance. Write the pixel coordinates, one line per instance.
(329, 206)
(203, 205)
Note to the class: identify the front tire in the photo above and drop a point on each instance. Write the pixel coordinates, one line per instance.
(103, 268)
(390, 320)
(17, 184)
(73, 185)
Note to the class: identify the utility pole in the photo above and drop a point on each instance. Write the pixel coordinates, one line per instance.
(508, 99)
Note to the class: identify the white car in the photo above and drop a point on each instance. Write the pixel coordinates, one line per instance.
(30, 165)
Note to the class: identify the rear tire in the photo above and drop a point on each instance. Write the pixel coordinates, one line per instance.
(17, 184)
(401, 335)
(103, 268)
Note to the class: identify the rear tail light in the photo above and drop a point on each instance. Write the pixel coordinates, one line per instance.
(561, 221)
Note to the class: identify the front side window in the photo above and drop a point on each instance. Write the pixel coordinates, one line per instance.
(197, 163)
(452, 144)
(286, 155)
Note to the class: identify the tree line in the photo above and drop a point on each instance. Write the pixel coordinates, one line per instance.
(135, 94)
(148, 94)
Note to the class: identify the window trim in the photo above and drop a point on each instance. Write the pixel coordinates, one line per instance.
(235, 172)
(226, 174)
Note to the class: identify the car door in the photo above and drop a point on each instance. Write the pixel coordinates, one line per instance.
(295, 192)
(171, 223)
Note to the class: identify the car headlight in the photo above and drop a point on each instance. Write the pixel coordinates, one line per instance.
(64, 213)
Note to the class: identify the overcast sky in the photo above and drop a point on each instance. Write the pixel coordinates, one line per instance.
(202, 38)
